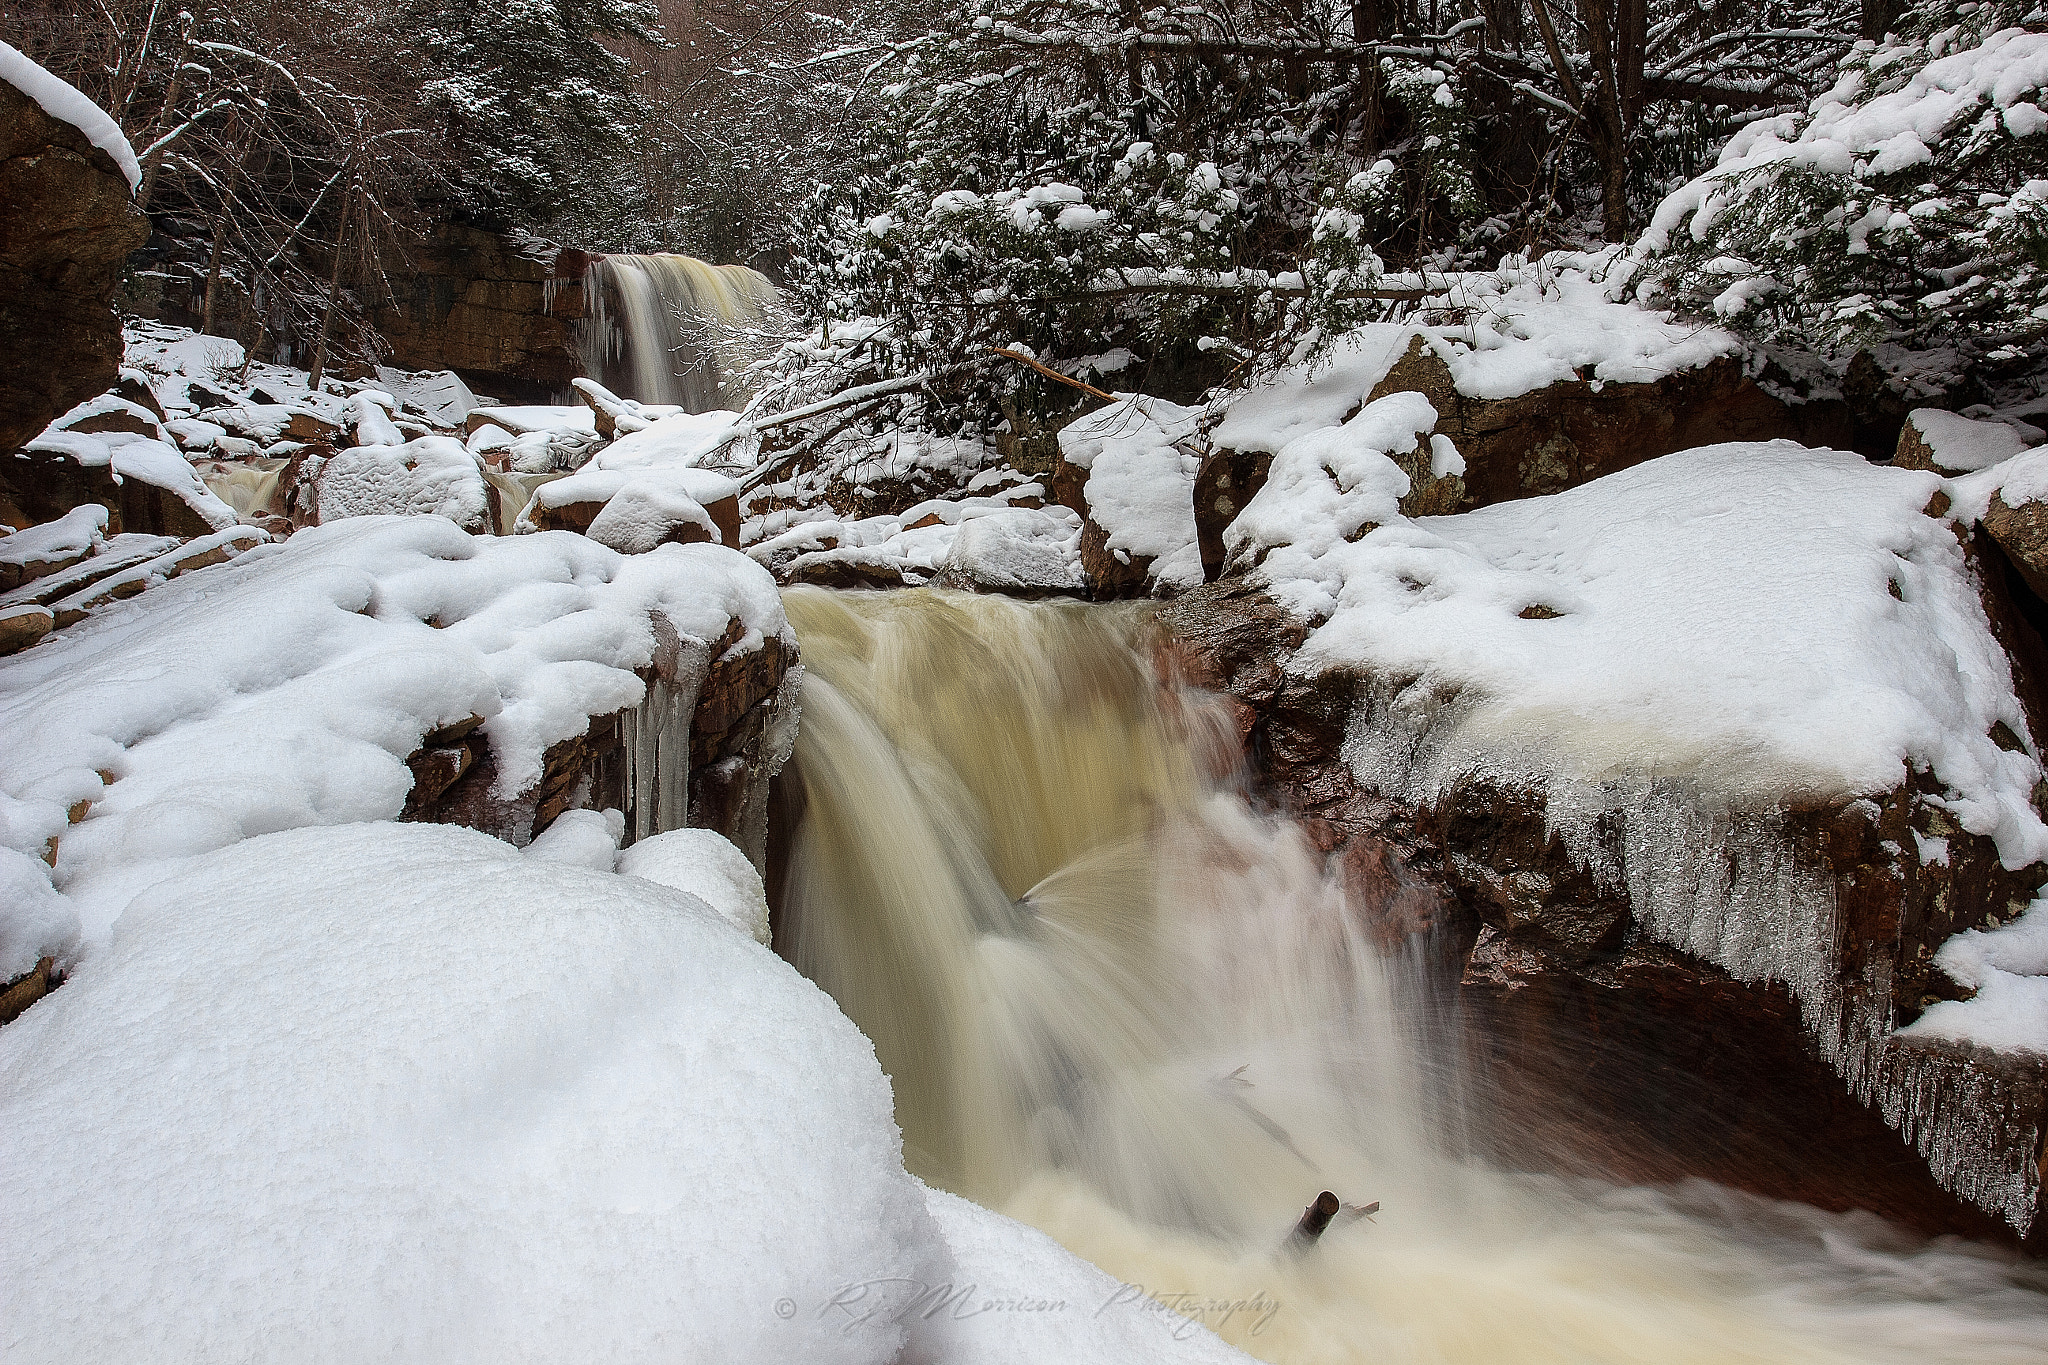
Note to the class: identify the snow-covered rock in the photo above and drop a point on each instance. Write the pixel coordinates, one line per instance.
(1950, 443)
(1744, 702)
(290, 687)
(65, 102)
(1138, 479)
(428, 476)
(1023, 553)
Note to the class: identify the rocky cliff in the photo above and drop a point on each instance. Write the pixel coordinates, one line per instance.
(67, 224)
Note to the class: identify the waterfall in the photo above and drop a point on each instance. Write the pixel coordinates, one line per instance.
(671, 329)
(1120, 1003)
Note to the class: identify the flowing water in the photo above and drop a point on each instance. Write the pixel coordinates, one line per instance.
(671, 329)
(1120, 1004)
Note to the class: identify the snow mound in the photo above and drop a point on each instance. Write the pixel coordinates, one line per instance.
(394, 1092)
(582, 838)
(709, 866)
(66, 103)
(1774, 623)
(287, 687)
(1141, 483)
(432, 475)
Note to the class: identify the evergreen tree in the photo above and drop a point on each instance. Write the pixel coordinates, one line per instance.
(1904, 216)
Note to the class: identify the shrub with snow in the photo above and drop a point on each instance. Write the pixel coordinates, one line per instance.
(1906, 209)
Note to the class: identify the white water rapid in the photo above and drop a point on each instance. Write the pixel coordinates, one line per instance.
(1119, 1004)
(671, 329)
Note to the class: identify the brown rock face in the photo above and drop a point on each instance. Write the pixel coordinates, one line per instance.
(503, 320)
(67, 224)
(1608, 1052)
(2022, 532)
(36, 487)
(730, 720)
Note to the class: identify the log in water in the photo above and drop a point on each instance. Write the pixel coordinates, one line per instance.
(1121, 1004)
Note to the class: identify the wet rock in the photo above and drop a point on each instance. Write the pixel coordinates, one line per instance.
(67, 224)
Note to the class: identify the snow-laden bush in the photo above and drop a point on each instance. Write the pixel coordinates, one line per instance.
(1908, 208)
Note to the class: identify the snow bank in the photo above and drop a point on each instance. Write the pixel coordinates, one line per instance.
(1771, 622)
(394, 1092)
(1141, 483)
(66, 103)
(708, 865)
(288, 687)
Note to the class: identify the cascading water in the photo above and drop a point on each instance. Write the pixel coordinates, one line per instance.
(1117, 1003)
(669, 329)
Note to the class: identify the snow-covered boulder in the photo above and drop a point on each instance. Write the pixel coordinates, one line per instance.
(708, 865)
(1026, 553)
(392, 1091)
(1543, 374)
(146, 484)
(428, 476)
(1132, 467)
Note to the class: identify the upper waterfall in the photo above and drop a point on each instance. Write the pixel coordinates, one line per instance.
(670, 329)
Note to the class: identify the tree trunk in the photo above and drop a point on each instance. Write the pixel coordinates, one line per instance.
(348, 200)
(220, 237)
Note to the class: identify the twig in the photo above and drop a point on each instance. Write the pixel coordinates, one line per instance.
(1050, 373)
